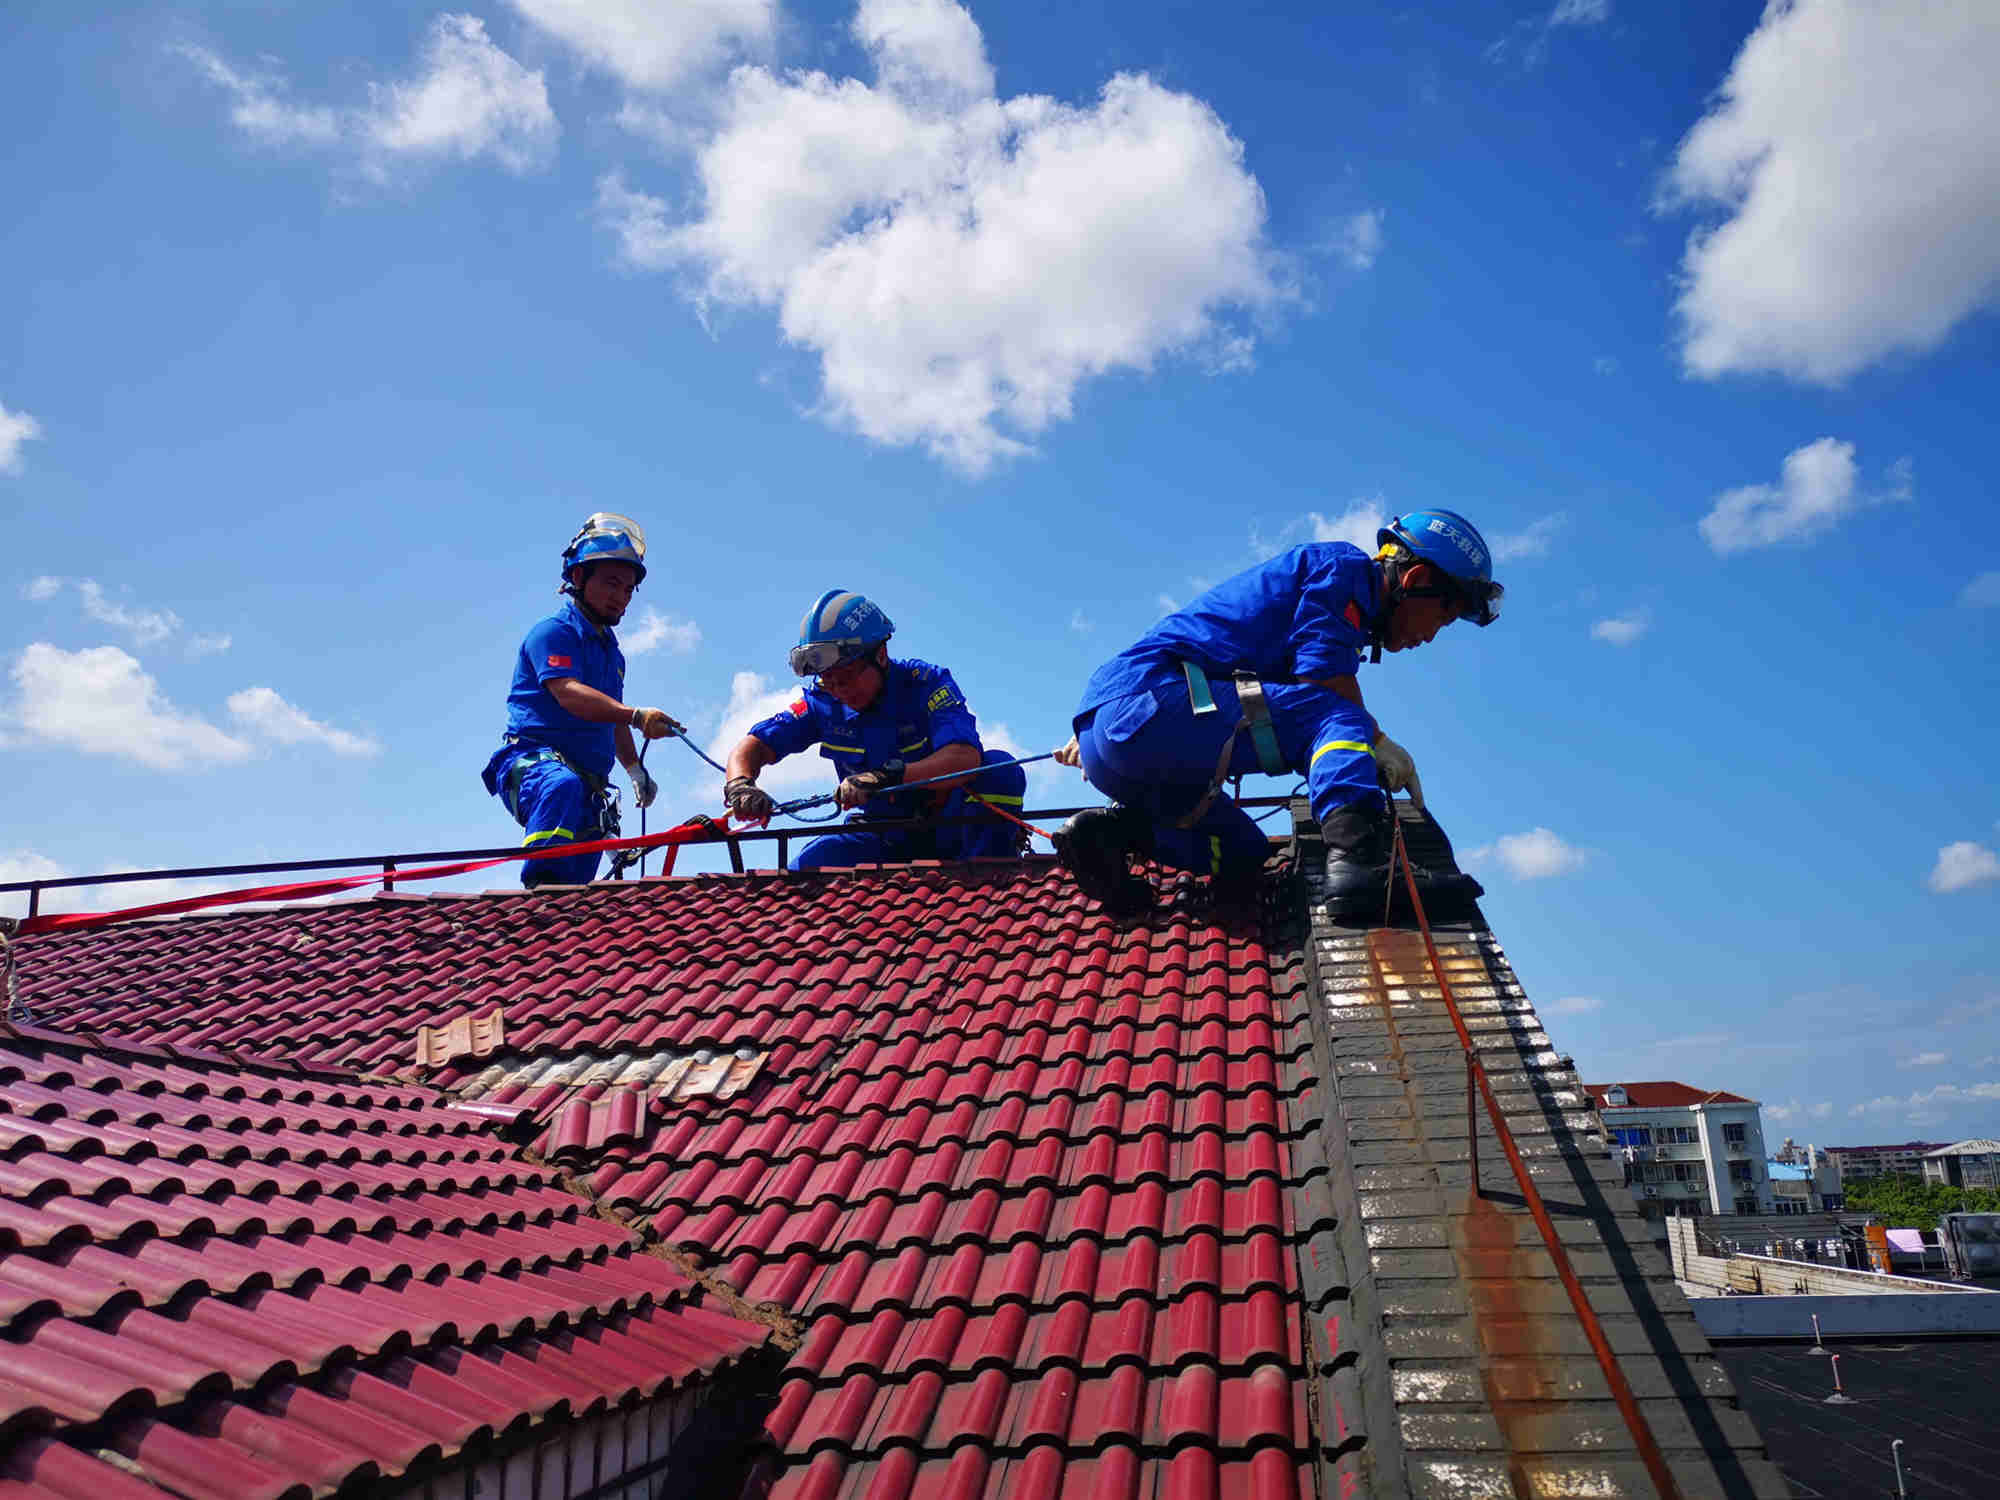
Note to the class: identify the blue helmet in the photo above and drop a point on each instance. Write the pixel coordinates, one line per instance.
(839, 627)
(605, 537)
(1452, 545)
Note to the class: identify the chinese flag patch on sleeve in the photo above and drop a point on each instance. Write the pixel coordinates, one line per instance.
(558, 661)
(799, 706)
(1353, 613)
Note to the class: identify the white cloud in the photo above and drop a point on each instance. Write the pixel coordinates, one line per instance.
(1604, 364)
(1358, 239)
(1534, 542)
(1167, 603)
(753, 697)
(1963, 864)
(1080, 622)
(467, 99)
(1574, 1005)
(959, 263)
(1855, 147)
(260, 109)
(1580, 12)
(471, 99)
(16, 428)
(655, 630)
(1818, 486)
(261, 709)
(1784, 1113)
(1358, 524)
(1929, 1100)
(1621, 630)
(1983, 592)
(1925, 1060)
(650, 45)
(28, 864)
(1533, 855)
(1821, 1110)
(100, 701)
(146, 627)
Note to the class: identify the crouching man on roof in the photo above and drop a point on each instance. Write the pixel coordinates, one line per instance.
(565, 711)
(882, 722)
(1258, 674)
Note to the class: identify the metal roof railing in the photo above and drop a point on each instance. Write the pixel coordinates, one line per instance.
(389, 864)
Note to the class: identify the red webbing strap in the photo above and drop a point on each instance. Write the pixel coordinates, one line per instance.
(695, 830)
(1614, 1376)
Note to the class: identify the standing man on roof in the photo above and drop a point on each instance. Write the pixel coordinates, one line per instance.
(565, 711)
(882, 722)
(1259, 674)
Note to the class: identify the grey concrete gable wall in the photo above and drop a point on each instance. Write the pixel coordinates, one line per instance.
(1442, 1331)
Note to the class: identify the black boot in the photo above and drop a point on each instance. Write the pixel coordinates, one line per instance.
(1096, 846)
(1358, 852)
(1360, 848)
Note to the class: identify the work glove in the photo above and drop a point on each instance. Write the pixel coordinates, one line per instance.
(644, 788)
(1398, 771)
(858, 788)
(1070, 754)
(747, 800)
(656, 723)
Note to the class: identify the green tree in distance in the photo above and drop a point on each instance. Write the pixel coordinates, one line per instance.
(1902, 1202)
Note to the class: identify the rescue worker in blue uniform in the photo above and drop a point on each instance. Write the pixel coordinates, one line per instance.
(881, 721)
(1259, 674)
(566, 715)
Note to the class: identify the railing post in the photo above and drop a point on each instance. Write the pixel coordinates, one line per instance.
(388, 874)
(34, 899)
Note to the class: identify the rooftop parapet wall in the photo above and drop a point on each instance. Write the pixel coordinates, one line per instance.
(1473, 1369)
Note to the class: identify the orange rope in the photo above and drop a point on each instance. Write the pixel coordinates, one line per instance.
(1621, 1390)
(990, 807)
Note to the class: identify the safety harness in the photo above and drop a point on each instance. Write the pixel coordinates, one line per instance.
(603, 794)
(1256, 719)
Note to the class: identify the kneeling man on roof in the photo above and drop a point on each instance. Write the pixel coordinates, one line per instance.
(1258, 674)
(881, 721)
(566, 714)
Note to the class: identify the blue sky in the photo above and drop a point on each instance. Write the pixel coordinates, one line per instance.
(329, 324)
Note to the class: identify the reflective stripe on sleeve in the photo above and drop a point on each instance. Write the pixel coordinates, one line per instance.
(1340, 745)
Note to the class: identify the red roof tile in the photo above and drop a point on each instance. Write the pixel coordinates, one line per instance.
(1662, 1095)
(311, 1278)
(1025, 1180)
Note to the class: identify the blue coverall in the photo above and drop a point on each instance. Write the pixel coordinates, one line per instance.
(551, 769)
(1307, 613)
(918, 711)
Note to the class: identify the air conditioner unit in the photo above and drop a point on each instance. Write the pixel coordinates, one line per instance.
(1651, 1191)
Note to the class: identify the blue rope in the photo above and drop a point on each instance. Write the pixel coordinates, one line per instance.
(797, 806)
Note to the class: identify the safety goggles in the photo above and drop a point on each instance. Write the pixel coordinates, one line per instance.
(1470, 600)
(811, 659)
(608, 523)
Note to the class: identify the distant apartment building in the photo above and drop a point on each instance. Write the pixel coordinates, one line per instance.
(1804, 1180)
(1904, 1159)
(1690, 1150)
(1968, 1164)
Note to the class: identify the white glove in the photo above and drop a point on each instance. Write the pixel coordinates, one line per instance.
(644, 788)
(1398, 771)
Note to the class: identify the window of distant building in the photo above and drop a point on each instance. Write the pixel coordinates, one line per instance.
(1733, 1134)
(1746, 1205)
(1632, 1135)
(1739, 1171)
(1678, 1135)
